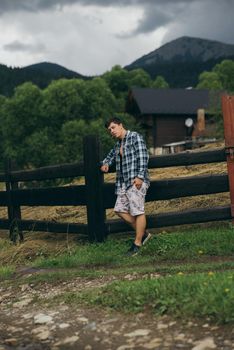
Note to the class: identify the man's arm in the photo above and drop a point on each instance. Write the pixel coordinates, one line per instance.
(108, 161)
(142, 156)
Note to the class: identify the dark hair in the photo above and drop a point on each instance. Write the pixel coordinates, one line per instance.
(114, 120)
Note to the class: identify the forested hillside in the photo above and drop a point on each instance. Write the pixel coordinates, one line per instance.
(40, 74)
(182, 60)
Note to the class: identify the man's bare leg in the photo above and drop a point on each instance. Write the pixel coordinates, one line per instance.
(140, 221)
(128, 218)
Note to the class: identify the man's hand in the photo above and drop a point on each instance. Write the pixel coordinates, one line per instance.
(105, 168)
(137, 182)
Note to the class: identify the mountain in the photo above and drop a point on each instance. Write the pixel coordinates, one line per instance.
(52, 69)
(182, 60)
(40, 74)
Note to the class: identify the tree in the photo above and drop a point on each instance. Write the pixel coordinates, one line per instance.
(210, 81)
(139, 77)
(225, 72)
(98, 100)
(63, 100)
(72, 133)
(117, 80)
(220, 78)
(22, 117)
(160, 83)
(40, 150)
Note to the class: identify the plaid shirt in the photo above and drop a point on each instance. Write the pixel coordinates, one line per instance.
(134, 160)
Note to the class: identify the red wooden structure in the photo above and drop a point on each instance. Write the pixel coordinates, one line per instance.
(228, 117)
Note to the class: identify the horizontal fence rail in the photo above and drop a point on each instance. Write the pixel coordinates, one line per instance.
(46, 173)
(191, 216)
(185, 159)
(175, 188)
(46, 226)
(77, 169)
(69, 195)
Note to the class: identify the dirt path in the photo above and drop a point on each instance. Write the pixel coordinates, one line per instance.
(26, 325)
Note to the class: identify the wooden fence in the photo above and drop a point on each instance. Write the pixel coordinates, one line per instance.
(98, 196)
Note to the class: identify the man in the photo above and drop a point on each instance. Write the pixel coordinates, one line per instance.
(132, 180)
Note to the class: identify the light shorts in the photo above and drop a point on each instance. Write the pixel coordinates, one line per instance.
(132, 200)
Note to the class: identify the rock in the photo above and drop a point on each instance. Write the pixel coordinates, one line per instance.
(128, 277)
(39, 329)
(68, 340)
(6, 295)
(110, 320)
(43, 335)
(97, 338)
(13, 329)
(42, 319)
(153, 344)
(27, 316)
(138, 333)
(64, 325)
(180, 336)
(24, 287)
(83, 320)
(90, 326)
(11, 341)
(88, 347)
(22, 303)
(162, 326)
(205, 344)
(227, 342)
(63, 308)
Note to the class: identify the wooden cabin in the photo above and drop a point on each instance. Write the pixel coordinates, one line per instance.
(171, 115)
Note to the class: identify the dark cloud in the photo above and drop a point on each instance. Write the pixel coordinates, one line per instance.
(17, 46)
(153, 18)
(156, 13)
(38, 5)
(210, 20)
(175, 15)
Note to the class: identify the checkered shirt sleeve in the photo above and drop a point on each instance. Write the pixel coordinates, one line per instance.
(142, 156)
(110, 158)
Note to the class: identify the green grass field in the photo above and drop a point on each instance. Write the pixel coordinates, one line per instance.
(187, 273)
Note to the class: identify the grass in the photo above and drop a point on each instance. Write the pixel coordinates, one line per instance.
(143, 272)
(187, 273)
(6, 272)
(193, 296)
(192, 245)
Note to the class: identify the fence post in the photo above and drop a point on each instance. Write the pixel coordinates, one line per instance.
(228, 117)
(14, 212)
(94, 195)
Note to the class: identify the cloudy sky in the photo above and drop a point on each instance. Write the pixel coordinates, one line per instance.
(91, 36)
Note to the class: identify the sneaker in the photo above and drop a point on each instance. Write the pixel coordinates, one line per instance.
(133, 250)
(146, 237)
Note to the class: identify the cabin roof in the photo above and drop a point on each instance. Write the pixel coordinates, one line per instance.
(168, 101)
